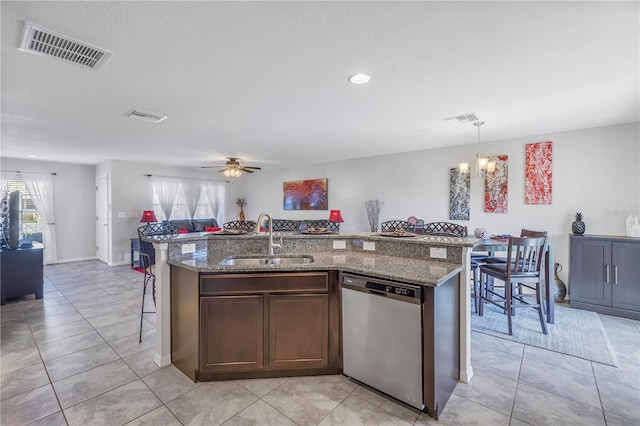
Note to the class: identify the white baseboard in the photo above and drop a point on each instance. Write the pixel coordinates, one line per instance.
(79, 259)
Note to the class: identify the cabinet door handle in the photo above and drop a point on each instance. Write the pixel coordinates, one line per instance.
(608, 274)
(615, 274)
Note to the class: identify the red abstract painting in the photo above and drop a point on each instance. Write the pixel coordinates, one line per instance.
(538, 173)
(306, 195)
(496, 185)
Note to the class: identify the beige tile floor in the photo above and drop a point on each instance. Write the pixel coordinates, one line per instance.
(74, 358)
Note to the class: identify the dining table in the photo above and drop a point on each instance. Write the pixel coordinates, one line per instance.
(495, 245)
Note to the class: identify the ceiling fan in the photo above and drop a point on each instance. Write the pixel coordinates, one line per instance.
(233, 168)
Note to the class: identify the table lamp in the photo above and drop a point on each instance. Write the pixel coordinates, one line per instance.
(148, 216)
(335, 216)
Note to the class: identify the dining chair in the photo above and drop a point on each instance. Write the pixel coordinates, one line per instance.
(245, 225)
(522, 268)
(455, 230)
(523, 233)
(392, 225)
(148, 260)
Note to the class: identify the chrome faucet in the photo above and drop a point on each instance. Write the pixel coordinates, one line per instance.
(272, 245)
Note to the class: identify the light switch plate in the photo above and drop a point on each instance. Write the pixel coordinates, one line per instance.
(188, 248)
(122, 215)
(369, 245)
(438, 253)
(339, 244)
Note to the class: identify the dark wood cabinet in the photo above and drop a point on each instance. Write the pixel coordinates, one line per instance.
(231, 333)
(298, 331)
(21, 272)
(605, 274)
(255, 325)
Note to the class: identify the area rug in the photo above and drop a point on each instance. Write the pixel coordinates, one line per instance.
(575, 332)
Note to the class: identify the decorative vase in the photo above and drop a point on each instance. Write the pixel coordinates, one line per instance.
(560, 289)
(241, 215)
(578, 227)
(482, 233)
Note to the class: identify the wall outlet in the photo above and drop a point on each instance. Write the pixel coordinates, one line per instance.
(438, 253)
(122, 215)
(339, 244)
(133, 214)
(188, 248)
(369, 245)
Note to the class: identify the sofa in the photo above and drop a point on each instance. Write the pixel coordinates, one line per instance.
(193, 225)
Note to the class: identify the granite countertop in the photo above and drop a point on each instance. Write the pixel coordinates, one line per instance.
(414, 271)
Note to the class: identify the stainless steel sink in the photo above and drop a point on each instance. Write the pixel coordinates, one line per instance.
(266, 260)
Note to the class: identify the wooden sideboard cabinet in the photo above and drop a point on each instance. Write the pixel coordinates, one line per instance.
(604, 274)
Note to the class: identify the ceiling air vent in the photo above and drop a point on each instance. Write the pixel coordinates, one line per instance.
(140, 114)
(50, 43)
(463, 119)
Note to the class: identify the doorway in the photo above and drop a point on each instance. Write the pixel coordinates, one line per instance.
(102, 218)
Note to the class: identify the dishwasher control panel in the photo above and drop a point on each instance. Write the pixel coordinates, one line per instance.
(390, 288)
(382, 287)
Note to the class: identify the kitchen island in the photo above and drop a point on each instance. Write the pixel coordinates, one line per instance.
(435, 263)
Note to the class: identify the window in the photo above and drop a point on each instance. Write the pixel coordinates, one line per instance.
(31, 222)
(206, 207)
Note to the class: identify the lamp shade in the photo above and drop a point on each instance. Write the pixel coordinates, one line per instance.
(148, 216)
(335, 216)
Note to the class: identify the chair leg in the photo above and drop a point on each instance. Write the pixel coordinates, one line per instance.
(481, 294)
(507, 294)
(144, 292)
(540, 314)
(476, 290)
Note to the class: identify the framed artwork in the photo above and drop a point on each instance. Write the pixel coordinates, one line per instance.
(538, 173)
(459, 195)
(305, 195)
(496, 186)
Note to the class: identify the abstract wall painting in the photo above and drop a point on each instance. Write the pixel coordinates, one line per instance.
(459, 195)
(538, 173)
(496, 186)
(305, 195)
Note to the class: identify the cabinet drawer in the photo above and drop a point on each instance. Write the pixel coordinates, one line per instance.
(298, 282)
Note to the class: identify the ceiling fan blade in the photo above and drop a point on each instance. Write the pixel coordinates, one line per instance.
(250, 167)
(211, 167)
(245, 170)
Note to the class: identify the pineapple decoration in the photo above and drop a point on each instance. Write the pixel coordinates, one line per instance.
(578, 227)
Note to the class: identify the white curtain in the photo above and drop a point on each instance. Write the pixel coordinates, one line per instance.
(215, 195)
(191, 190)
(40, 188)
(5, 180)
(166, 189)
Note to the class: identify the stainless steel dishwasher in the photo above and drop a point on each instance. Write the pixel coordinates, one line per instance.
(382, 336)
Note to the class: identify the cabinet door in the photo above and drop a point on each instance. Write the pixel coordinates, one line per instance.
(625, 275)
(589, 281)
(231, 333)
(298, 331)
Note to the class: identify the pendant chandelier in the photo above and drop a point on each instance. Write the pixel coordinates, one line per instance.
(483, 165)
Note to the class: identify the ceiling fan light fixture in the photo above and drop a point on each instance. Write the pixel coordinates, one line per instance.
(359, 78)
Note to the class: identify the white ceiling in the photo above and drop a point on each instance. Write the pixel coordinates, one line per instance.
(267, 81)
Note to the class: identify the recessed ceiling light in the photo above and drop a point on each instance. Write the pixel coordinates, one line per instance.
(359, 78)
(32, 156)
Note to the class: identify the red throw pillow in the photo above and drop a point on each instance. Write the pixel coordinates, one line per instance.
(212, 229)
(183, 231)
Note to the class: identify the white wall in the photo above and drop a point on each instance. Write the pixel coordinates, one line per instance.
(74, 205)
(595, 171)
(129, 193)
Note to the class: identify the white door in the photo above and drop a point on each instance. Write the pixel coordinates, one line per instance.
(102, 218)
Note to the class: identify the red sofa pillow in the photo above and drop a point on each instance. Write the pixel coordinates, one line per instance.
(212, 229)
(183, 231)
